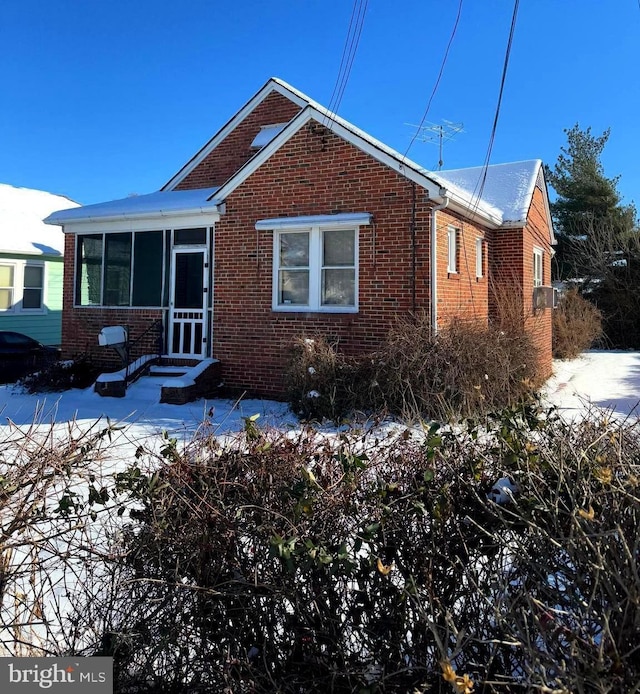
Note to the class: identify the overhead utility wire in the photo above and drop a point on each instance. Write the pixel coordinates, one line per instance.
(351, 43)
(476, 196)
(483, 179)
(437, 84)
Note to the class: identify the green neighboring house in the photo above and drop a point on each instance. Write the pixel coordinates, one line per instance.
(31, 263)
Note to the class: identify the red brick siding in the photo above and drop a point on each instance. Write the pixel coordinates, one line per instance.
(235, 150)
(537, 233)
(461, 294)
(318, 173)
(511, 262)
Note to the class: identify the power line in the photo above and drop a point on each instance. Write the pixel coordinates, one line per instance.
(477, 193)
(437, 84)
(481, 183)
(352, 40)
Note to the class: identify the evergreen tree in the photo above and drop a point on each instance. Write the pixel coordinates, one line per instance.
(587, 200)
(598, 238)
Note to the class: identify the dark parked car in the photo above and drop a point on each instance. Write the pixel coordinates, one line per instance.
(20, 355)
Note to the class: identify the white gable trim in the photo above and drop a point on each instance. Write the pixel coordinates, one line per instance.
(271, 86)
(471, 209)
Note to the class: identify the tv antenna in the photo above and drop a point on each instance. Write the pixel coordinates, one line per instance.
(438, 134)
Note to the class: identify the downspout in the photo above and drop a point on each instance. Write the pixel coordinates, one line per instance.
(434, 260)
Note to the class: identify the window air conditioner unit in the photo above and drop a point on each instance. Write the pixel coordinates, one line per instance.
(545, 297)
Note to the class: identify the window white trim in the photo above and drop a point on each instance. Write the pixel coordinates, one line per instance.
(452, 250)
(479, 258)
(538, 267)
(18, 287)
(315, 267)
(326, 221)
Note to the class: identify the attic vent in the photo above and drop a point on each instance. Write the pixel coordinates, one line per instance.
(266, 134)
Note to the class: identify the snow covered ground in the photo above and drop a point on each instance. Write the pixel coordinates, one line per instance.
(606, 379)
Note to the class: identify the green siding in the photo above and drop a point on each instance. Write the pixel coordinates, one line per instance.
(45, 327)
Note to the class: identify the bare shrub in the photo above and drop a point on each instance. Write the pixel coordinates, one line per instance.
(79, 372)
(322, 381)
(577, 324)
(466, 369)
(500, 558)
(48, 543)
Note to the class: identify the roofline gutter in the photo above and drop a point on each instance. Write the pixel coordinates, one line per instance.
(433, 280)
(155, 214)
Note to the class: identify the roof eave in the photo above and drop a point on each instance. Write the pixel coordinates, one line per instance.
(152, 215)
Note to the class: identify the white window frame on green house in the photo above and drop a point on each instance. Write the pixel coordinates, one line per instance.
(324, 275)
(538, 267)
(21, 285)
(452, 250)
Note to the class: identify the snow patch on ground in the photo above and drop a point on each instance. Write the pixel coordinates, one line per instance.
(607, 379)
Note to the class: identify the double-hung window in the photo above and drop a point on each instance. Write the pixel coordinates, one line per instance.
(22, 287)
(537, 267)
(316, 269)
(7, 274)
(315, 265)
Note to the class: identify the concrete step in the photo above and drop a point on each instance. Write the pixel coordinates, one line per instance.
(168, 371)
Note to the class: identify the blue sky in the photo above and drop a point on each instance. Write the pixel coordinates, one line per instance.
(104, 99)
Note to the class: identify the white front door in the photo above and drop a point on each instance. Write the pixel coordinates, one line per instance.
(188, 307)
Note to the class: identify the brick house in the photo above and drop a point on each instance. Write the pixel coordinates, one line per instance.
(292, 221)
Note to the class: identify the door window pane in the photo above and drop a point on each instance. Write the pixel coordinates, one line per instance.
(189, 280)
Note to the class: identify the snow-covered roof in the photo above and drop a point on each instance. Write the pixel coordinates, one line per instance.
(498, 195)
(162, 203)
(508, 187)
(22, 230)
